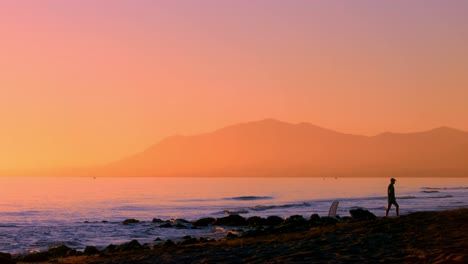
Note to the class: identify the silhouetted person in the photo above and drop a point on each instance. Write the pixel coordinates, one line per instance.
(391, 197)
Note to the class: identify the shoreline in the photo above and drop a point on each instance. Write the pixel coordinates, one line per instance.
(420, 237)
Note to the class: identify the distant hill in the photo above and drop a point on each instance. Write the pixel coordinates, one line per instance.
(272, 148)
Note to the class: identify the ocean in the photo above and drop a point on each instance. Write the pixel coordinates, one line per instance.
(39, 213)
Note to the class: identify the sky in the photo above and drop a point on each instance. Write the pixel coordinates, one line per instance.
(88, 82)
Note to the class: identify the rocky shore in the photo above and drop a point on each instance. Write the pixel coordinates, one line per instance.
(423, 237)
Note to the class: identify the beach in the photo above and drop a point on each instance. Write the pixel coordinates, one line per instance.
(420, 237)
(79, 212)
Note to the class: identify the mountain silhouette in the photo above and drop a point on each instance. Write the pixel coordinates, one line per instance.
(271, 148)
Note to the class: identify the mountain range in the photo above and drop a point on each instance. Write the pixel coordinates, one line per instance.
(271, 148)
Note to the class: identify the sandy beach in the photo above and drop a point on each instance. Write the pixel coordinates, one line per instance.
(422, 237)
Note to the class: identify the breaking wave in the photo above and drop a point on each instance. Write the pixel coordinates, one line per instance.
(249, 198)
(269, 207)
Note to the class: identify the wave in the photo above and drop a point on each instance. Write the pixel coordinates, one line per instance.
(429, 191)
(235, 212)
(407, 197)
(441, 196)
(446, 188)
(23, 213)
(249, 198)
(8, 226)
(366, 208)
(129, 208)
(269, 207)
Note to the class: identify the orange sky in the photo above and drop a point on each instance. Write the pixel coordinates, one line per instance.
(87, 82)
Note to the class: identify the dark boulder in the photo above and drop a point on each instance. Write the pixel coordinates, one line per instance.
(60, 251)
(315, 218)
(361, 214)
(169, 243)
(131, 246)
(292, 224)
(188, 240)
(295, 220)
(274, 220)
(166, 225)
(326, 220)
(157, 220)
(181, 226)
(204, 221)
(5, 258)
(256, 221)
(131, 221)
(346, 219)
(205, 239)
(91, 250)
(110, 248)
(180, 220)
(231, 220)
(256, 233)
(36, 257)
(231, 235)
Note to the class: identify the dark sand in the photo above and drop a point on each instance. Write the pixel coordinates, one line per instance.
(423, 237)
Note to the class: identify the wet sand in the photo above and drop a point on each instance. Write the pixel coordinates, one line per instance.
(422, 237)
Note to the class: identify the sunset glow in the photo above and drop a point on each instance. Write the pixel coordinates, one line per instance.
(90, 82)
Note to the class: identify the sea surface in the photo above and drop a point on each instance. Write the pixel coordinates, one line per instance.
(38, 213)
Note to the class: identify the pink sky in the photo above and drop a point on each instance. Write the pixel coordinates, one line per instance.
(88, 82)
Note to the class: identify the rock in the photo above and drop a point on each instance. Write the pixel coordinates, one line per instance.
(255, 233)
(179, 220)
(293, 223)
(6, 261)
(255, 221)
(157, 239)
(231, 220)
(130, 221)
(361, 214)
(231, 235)
(180, 226)
(91, 250)
(157, 220)
(329, 220)
(166, 225)
(204, 221)
(110, 248)
(169, 243)
(346, 218)
(5, 258)
(131, 246)
(315, 218)
(60, 251)
(274, 220)
(189, 240)
(205, 240)
(295, 220)
(36, 257)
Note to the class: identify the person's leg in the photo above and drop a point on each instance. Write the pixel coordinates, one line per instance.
(388, 209)
(397, 207)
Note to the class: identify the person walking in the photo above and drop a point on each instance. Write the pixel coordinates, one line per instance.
(391, 197)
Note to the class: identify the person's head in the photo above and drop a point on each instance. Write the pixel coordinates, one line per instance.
(392, 180)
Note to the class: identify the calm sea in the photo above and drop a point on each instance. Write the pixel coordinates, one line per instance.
(37, 213)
